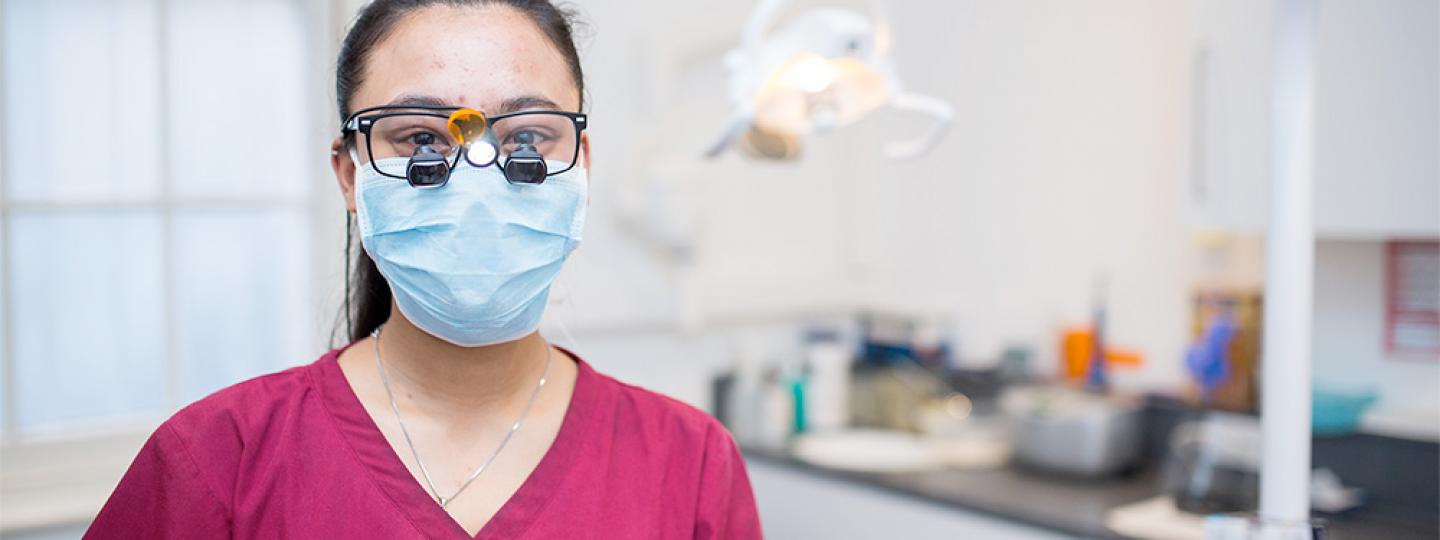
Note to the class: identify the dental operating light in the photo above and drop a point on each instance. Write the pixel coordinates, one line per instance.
(823, 70)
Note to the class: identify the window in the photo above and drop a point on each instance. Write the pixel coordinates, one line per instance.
(158, 192)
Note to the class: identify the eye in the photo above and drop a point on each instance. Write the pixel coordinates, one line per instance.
(528, 136)
(424, 137)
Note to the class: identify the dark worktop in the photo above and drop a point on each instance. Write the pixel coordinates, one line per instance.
(1070, 506)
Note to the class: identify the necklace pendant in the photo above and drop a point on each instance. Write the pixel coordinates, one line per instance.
(442, 501)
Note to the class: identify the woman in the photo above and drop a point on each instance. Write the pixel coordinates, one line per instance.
(464, 164)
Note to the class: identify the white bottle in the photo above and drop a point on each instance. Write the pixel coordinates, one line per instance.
(777, 408)
(746, 412)
(828, 391)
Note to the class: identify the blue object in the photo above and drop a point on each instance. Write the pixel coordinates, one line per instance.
(888, 354)
(1208, 360)
(1336, 413)
(471, 262)
(1095, 380)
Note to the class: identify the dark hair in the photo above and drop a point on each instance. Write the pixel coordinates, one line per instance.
(367, 295)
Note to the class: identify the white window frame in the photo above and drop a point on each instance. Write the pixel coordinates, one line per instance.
(61, 478)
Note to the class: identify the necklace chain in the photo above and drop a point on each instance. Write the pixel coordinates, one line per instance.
(385, 380)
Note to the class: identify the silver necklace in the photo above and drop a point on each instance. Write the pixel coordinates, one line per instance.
(385, 380)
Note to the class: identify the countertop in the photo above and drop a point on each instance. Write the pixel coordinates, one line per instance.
(1069, 506)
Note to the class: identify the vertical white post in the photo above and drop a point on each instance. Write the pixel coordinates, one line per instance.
(1289, 274)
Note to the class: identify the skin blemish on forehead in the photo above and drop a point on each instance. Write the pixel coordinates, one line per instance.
(483, 70)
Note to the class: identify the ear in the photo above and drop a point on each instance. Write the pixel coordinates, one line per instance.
(585, 150)
(344, 168)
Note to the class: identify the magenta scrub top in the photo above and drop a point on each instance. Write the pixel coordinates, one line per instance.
(293, 454)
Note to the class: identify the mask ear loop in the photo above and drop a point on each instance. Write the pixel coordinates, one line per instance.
(349, 313)
(561, 306)
(571, 343)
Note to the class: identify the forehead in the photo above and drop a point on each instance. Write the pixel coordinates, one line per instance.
(478, 57)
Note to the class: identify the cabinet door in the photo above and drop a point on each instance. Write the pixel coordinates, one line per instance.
(1377, 119)
(1230, 114)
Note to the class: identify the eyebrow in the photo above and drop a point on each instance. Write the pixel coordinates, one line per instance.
(417, 99)
(526, 102)
(519, 103)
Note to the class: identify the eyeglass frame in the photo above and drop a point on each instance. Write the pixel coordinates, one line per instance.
(360, 122)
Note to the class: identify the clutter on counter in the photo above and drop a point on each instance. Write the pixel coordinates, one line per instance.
(1133, 504)
(885, 401)
(1068, 432)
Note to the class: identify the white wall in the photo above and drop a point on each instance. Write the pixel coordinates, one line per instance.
(1349, 339)
(1377, 118)
(1063, 163)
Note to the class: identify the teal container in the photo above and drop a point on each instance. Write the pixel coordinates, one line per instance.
(797, 392)
(1338, 413)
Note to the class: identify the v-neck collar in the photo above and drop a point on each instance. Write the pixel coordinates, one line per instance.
(384, 466)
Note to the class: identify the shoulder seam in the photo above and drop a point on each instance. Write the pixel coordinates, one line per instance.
(688, 408)
(199, 472)
(241, 386)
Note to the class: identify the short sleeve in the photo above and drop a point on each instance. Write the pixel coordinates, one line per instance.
(727, 504)
(162, 495)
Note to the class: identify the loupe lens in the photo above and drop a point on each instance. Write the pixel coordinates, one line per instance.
(525, 166)
(427, 168)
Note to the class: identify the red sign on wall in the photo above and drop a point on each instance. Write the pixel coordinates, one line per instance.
(1412, 299)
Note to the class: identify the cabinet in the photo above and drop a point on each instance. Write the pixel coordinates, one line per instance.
(1377, 117)
(794, 503)
(1229, 154)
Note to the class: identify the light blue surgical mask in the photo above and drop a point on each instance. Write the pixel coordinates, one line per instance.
(471, 262)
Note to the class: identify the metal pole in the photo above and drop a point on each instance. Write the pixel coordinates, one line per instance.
(1289, 275)
(169, 250)
(9, 425)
